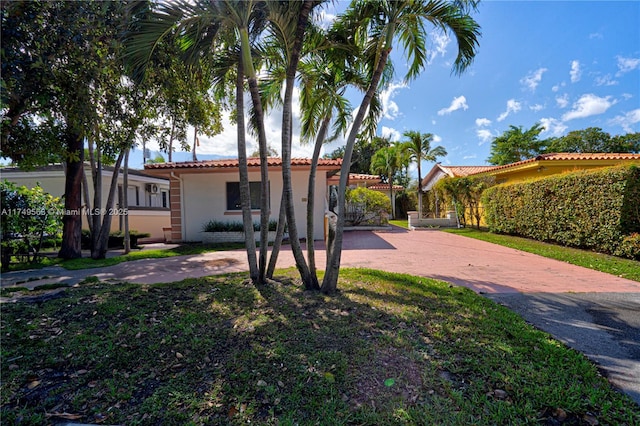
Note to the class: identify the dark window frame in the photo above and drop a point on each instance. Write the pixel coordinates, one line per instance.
(233, 195)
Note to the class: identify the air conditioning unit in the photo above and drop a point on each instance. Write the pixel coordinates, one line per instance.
(152, 188)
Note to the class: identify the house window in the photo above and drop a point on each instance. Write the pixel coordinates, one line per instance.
(133, 198)
(233, 195)
(165, 199)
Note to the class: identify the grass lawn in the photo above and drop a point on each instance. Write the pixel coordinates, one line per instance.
(388, 349)
(401, 223)
(625, 268)
(87, 262)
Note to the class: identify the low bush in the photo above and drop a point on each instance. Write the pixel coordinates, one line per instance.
(223, 226)
(592, 209)
(367, 207)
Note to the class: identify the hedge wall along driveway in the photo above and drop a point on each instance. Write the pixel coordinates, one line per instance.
(593, 209)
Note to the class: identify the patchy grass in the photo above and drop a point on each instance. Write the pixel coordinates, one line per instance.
(87, 262)
(388, 349)
(625, 268)
(401, 223)
(185, 249)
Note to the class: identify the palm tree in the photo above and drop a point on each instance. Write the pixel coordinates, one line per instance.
(376, 24)
(288, 26)
(203, 29)
(419, 148)
(386, 162)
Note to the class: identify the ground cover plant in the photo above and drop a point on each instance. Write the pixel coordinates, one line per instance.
(388, 349)
(625, 268)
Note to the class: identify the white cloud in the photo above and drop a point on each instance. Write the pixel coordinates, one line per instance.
(627, 120)
(482, 122)
(596, 36)
(605, 80)
(575, 72)
(437, 139)
(626, 65)
(390, 109)
(485, 135)
(587, 106)
(513, 106)
(469, 157)
(226, 143)
(554, 126)
(558, 86)
(391, 133)
(536, 107)
(562, 101)
(532, 79)
(456, 104)
(440, 40)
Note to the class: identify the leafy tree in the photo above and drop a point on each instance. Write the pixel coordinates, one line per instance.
(28, 216)
(386, 162)
(418, 146)
(53, 64)
(466, 194)
(516, 145)
(593, 139)
(376, 24)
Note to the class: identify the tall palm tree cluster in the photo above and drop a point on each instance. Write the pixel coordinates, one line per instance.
(267, 48)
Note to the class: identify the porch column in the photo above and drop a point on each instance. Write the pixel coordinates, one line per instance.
(175, 197)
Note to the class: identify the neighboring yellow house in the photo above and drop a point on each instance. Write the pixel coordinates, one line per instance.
(538, 167)
(552, 164)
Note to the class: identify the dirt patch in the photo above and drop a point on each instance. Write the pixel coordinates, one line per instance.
(221, 263)
(374, 387)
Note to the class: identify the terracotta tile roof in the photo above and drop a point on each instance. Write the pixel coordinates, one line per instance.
(385, 187)
(233, 163)
(569, 156)
(459, 171)
(360, 176)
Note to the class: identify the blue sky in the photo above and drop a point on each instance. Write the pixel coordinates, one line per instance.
(568, 65)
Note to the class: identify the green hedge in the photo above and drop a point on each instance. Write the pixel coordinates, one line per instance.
(592, 209)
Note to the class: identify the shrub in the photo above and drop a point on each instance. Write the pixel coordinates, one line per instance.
(222, 226)
(368, 207)
(593, 209)
(29, 217)
(116, 238)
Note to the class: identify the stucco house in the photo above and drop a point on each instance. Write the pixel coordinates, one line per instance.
(209, 190)
(532, 168)
(148, 196)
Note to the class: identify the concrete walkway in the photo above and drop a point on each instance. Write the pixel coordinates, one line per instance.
(595, 313)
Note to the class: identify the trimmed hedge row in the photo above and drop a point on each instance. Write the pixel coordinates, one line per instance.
(592, 209)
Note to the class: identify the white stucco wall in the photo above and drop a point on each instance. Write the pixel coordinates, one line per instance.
(151, 221)
(204, 198)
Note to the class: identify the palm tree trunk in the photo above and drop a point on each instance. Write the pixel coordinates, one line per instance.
(264, 180)
(310, 282)
(322, 133)
(332, 271)
(419, 189)
(393, 203)
(277, 243)
(263, 148)
(245, 196)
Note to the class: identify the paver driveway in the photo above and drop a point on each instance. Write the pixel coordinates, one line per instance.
(595, 313)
